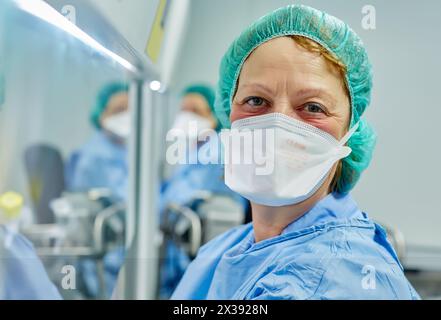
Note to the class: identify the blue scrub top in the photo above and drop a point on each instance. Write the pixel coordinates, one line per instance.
(334, 251)
(22, 275)
(100, 163)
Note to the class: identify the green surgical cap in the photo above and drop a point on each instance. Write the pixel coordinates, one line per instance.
(335, 36)
(206, 91)
(103, 99)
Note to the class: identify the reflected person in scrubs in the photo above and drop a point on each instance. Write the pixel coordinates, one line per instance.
(102, 161)
(192, 176)
(303, 77)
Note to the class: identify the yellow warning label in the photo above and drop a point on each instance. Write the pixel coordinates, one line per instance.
(157, 34)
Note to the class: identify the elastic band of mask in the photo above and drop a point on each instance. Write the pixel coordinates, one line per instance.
(349, 134)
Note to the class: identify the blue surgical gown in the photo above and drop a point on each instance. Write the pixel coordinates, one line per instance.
(100, 163)
(22, 275)
(334, 251)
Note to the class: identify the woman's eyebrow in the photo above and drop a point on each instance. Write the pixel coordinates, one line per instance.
(299, 94)
(256, 85)
(315, 92)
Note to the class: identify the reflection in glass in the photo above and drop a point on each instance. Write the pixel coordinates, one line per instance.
(53, 141)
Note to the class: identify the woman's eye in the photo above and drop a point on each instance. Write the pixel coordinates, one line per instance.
(255, 101)
(314, 108)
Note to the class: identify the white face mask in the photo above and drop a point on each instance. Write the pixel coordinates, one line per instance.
(191, 125)
(119, 125)
(299, 155)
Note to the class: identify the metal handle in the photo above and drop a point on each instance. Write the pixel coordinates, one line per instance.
(195, 227)
(100, 222)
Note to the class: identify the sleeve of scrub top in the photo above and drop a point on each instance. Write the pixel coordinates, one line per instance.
(342, 277)
(23, 276)
(361, 278)
(295, 281)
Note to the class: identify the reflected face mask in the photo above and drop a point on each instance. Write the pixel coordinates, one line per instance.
(191, 125)
(119, 125)
(276, 160)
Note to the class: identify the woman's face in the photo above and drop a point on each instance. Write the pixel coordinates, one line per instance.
(281, 76)
(197, 104)
(118, 103)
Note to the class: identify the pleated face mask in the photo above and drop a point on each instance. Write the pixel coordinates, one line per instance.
(276, 160)
(119, 125)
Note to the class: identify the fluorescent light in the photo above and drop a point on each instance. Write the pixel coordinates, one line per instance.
(45, 12)
(155, 85)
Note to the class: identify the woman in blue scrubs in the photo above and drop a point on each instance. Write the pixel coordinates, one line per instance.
(304, 76)
(201, 170)
(103, 162)
(189, 179)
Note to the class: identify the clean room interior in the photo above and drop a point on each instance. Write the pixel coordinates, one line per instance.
(55, 58)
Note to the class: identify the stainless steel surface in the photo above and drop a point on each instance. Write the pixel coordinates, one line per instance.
(139, 278)
(90, 20)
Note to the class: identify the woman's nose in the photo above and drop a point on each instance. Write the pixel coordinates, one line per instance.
(284, 107)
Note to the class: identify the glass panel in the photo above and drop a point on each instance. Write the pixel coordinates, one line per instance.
(63, 161)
